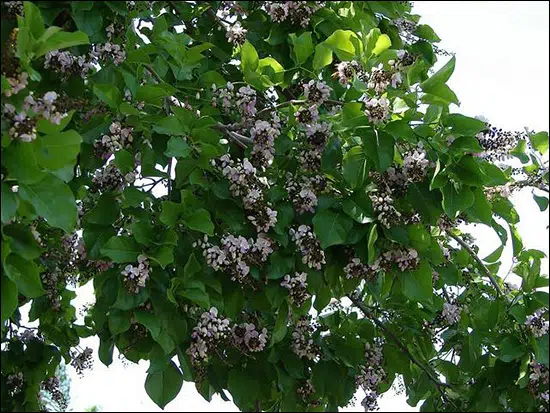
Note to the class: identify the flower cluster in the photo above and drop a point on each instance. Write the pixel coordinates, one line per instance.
(298, 12)
(128, 98)
(371, 375)
(311, 152)
(307, 115)
(17, 84)
(382, 204)
(263, 135)
(135, 277)
(303, 192)
(406, 259)
(302, 341)
(22, 126)
(356, 269)
(236, 34)
(537, 324)
(243, 99)
(118, 138)
(67, 63)
(379, 79)
(317, 92)
(497, 142)
(50, 281)
(110, 178)
(415, 165)
(538, 385)
(246, 184)
(310, 247)
(236, 255)
(14, 7)
(297, 287)
(247, 338)
(108, 52)
(82, 360)
(51, 385)
(377, 109)
(15, 382)
(210, 330)
(44, 107)
(345, 71)
(403, 59)
(451, 313)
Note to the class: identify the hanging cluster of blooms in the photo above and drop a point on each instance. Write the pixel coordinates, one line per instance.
(109, 178)
(82, 360)
(298, 12)
(118, 138)
(310, 247)
(23, 124)
(451, 313)
(207, 335)
(245, 184)
(247, 337)
(297, 287)
(263, 136)
(537, 323)
(302, 339)
(68, 64)
(235, 255)
(371, 375)
(538, 385)
(232, 102)
(135, 277)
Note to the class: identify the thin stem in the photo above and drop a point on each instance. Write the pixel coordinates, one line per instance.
(478, 260)
(440, 386)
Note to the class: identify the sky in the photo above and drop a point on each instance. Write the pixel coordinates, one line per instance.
(501, 73)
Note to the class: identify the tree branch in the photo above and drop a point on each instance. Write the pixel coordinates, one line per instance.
(440, 386)
(478, 260)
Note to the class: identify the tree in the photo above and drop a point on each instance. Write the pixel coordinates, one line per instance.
(266, 197)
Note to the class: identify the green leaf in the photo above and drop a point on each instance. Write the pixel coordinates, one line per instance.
(121, 249)
(53, 200)
(95, 237)
(454, 202)
(280, 329)
(426, 32)
(22, 241)
(331, 228)
(244, 387)
(464, 125)
(163, 255)
(105, 351)
(440, 94)
(119, 321)
(355, 169)
(511, 349)
(541, 350)
(191, 268)
(177, 148)
(356, 212)
(48, 128)
(125, 161)
(249, 58)
(380, 147)
(342, 44)
(373, 236)
(199, 220)
(163, 386)
(10, 203)
(153, 93)
(171, 125)
(481, 209)
(382, 43)
(540, 142)
(171, 213)
(149, 320)
(33, 19)
(60, 40)
(58, 150)
(322, 57)
(541, 201)
(465, 144)
(9, 298)
(20, 160)
(109, 94)
(302, 47)
(417, 285)
(25, 275)
(441, 76)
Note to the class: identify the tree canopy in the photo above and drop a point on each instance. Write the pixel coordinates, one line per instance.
(269, 199)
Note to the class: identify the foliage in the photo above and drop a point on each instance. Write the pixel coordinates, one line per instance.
(305, 242)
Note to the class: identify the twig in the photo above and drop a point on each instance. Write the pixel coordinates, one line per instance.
(478, 260)
(440, 386)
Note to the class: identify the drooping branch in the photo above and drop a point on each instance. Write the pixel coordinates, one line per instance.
(483, 267)
(440, 385)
